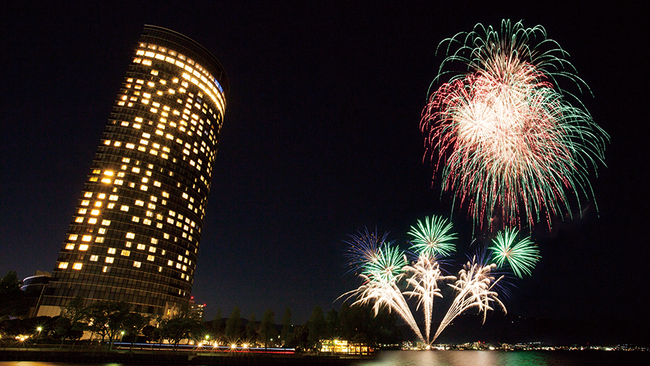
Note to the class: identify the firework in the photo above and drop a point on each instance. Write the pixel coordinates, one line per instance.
(381, 274)
(423, 280)
(504, 134)
(388, 278)
(520, 256)
(363, 248)
(474, 288)
(433, 237)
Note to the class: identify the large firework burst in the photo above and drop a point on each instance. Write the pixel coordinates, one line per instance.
(505, 136)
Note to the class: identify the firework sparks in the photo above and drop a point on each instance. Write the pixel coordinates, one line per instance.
(433, 237)
(381, 273)
(423, 277)
(504, 134)
(474, 288)
(520, 256)
(363, 248)
(388, 278)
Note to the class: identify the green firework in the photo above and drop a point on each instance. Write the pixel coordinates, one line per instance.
(521, 256)
(432, 237)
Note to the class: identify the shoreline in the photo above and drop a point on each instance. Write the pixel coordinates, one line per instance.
(175, 358)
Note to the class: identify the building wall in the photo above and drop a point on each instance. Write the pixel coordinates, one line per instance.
(136, 229)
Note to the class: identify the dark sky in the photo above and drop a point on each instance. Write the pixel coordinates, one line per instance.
(320, 139)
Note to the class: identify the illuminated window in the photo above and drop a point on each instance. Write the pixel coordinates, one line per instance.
(112, 197)
(83, 247)
(63, 265)
(152, 249)
(170, 263)
(150, 258)
(146, 222)
(109, 260)
(139, 203)
(101, 231)
(130, 235)
(135, 219)
(69, 246)
(86, 238)
(125, 253)
(141, 247)
(99, 239)
(111, 205)
(94, 258)
(85, 203)
(94, 212)
(98, 204)
(77, 266)
(137, 264)
(111, 250)
(83, 211)
(92, 220)
(124, 208)
(154, 241)
(79, 219)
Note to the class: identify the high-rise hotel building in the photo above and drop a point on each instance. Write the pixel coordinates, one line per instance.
(135, 233)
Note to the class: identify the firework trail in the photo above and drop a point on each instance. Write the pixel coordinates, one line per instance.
(504, 135)
(381, 267)
(423, 277)
(474, 288)
(521, 256)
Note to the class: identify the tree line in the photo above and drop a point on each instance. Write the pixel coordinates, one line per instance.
(110, 321)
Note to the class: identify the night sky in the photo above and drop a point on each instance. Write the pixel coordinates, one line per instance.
(321, 139)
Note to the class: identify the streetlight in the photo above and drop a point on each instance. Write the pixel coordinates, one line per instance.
(39, 329)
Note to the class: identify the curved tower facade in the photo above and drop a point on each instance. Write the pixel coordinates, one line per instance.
(135, 233)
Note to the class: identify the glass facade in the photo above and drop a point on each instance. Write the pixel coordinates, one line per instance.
(136, 229)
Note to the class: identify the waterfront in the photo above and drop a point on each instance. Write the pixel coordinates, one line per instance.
(423, 358)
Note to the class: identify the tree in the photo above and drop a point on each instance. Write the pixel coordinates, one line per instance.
(12, 299)
(177, 329)
(316, 327)
(233, 325)
(134, 324)
(287, 333)
(332, 325)
(267, 327)
(70, 325)
(106, 318)
(251, 328)
(300, 339)
(217, 327)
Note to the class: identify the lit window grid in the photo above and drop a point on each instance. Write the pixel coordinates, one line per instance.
(209, 156)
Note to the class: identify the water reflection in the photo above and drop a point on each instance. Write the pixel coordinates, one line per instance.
(459, 358)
